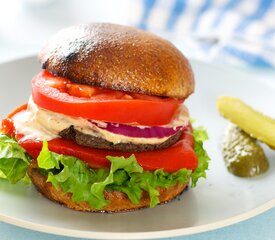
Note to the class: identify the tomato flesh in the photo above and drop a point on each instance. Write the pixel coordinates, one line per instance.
(61, 96)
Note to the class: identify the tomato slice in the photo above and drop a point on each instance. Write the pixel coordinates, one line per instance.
(61, 96)
(7, 126)
(180, 155)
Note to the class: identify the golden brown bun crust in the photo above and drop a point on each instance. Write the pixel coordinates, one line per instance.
(119, 201)
(120, 58)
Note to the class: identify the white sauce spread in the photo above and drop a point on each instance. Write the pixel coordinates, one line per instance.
(36, 123)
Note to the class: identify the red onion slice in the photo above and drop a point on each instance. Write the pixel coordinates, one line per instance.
(133, 131)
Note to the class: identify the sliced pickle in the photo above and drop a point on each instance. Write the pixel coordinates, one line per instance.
(249, 120)
(242, 155)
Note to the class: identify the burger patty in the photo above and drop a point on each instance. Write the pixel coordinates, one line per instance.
(97, 142)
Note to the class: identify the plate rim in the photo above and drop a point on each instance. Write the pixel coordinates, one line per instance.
(139, 235)
(148, 234)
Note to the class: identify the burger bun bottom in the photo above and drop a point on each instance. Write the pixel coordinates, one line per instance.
(119, 201)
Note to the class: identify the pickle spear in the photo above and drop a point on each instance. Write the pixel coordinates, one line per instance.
(242, 155)
(249, 120)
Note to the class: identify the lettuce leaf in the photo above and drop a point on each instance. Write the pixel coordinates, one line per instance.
(14, 160)
(2, 175)
(48, 160)
(149, 181)
(200, 135)
(125, 175)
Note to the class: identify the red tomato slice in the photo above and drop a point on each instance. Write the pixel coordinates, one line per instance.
(7, 126)
(61, 96)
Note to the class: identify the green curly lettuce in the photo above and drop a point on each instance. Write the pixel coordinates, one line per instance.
(14, 160)
(125, 175)
(200, 135)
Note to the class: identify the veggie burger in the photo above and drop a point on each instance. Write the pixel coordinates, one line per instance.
(105, 128)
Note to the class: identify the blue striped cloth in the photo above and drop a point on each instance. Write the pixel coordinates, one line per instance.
(240, 32)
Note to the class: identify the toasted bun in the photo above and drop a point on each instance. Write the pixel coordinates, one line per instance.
(120, 58)
(119, 201)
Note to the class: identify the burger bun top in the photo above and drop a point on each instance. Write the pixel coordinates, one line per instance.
(119, 58)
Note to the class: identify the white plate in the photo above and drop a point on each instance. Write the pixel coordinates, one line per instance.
(220, 200)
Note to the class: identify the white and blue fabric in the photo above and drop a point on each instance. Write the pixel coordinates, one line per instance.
(240, 32)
